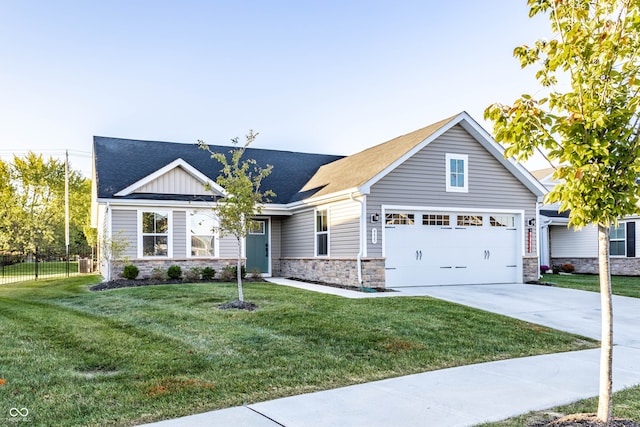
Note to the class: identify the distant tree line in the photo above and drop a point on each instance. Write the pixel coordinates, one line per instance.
(32, 207)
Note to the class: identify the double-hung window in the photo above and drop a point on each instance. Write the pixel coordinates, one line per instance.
(202, 234)
(155, 234)
(322, 232)
(618, 240)
(457, 173)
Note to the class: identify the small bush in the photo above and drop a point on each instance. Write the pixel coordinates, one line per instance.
(230, 272)
(556, 269)
(544, 269)
(208, 273)
(158, 274)
(255, 274)
(567, 268)
(174, 272)
(193, 274)
(130, 272)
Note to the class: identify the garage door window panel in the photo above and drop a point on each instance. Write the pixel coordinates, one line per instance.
(435, 219)
(508, 221)
(469, 221)
(399, 219)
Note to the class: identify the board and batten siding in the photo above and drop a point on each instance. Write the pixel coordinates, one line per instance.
(179, 234)
(175, 181)
(298, 234)
(124, 222)
(420, 181)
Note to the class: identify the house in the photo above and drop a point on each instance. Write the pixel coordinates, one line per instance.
(561, 244)
(440, 205)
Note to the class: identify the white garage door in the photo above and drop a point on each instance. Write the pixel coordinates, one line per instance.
(439, 248)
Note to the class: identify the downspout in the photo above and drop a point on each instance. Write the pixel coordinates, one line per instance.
(362, 225)
(107, 235)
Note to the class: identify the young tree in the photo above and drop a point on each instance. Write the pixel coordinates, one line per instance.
(590, 129)
(241, 181)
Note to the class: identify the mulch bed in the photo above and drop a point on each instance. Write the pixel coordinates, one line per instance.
(585, 420)
(126, 283)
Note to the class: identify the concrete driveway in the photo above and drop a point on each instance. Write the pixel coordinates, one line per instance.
(564, 309)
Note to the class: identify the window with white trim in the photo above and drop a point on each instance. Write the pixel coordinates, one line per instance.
(322, 232)
(618, 240)
(457, 173)
(155, 234)
(202, 235)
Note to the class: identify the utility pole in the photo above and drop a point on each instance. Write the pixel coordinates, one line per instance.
(66, 207)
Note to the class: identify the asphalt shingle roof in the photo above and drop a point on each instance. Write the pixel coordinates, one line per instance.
(120, 163)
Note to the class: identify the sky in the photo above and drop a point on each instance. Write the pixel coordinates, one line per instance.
(325, 76)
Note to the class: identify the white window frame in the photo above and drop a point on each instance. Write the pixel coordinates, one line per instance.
(215, 234)
(318, 233)
(455, 189)
(169, 215)
(622, 225)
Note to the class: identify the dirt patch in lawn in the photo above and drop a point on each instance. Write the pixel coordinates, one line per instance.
(549, 419)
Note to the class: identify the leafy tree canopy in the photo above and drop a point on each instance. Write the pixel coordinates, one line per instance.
(590, 129)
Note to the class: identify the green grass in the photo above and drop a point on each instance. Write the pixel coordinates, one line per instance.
(626, 404)
(128, 356)
(620, 285)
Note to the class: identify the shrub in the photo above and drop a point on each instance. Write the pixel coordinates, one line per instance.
(230, 272)
(130, 272)
(208, 273)
(544, 269)
(158, 274)
(567, 268)
(255, 274)
(174, 272)
(193, 274)
(556, 269)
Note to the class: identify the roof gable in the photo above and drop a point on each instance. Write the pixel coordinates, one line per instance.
(360, 171)
(123, 167)
(178, 177)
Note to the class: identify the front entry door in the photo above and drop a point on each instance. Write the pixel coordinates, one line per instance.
(258, 247)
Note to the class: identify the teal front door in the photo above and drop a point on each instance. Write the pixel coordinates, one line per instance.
(258, 247)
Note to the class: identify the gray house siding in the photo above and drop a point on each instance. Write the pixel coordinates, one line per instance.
(420, 182)
(298, 235)
(276, 233)
(124, 222)
(344, 228)
(228, 247)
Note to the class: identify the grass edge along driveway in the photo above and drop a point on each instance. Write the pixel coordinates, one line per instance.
(128, 356)
(627, 286)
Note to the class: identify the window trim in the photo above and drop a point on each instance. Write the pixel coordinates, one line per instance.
(454, 189)
(623, 226)
(317, 233)
(215, 234)
(169, 233)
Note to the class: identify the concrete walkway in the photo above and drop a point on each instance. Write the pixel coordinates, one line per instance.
(466, 395)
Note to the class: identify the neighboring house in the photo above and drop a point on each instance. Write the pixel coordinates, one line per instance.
(560, 244)
(440, 205)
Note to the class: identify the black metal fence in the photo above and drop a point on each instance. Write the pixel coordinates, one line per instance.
(18, 266)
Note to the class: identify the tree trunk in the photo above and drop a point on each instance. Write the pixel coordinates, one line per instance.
(239, 273)
(606, 349)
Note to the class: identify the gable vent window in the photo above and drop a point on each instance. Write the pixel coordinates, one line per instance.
(155, 234)
(457, 173)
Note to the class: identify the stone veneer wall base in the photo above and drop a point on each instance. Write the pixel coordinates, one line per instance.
(618, 266)
(339, 271)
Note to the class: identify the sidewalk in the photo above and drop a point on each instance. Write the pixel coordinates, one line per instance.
(465, 395)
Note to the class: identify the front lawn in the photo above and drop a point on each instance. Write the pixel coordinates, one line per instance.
(626, 404)
(620, 285)
(128, 356)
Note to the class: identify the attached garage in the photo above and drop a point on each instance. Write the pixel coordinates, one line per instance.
(450, 248)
